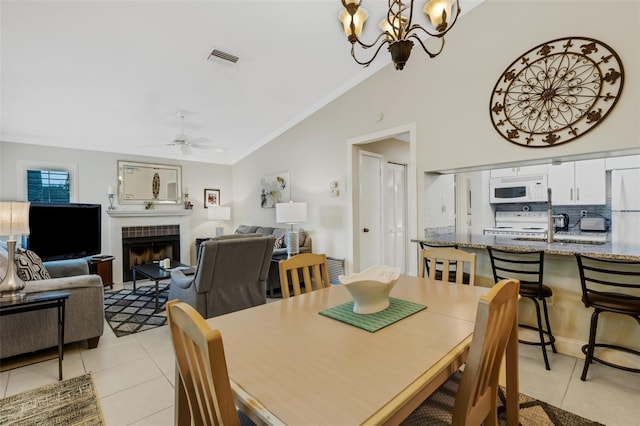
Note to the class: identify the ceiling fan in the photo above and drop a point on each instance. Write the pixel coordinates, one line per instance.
(186, 142)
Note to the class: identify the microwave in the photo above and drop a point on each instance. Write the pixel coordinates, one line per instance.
(518, 189)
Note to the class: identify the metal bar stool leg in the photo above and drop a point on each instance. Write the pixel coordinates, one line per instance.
(588, 349)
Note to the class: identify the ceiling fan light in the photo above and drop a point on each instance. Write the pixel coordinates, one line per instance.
(439, 13)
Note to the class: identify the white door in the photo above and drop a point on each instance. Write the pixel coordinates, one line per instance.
(370, 205)
(395, 216)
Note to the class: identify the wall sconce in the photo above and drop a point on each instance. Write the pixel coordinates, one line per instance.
(219, 213)
(111, 194)
(292, 213)
(14, 220)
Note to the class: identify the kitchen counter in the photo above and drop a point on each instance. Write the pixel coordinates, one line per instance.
(610, 250)
(569, 318)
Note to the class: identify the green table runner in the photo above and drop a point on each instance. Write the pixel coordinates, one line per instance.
(397, 310)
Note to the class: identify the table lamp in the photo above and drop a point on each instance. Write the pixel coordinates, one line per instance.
(291, 213)
(14, 220)
(219, 213)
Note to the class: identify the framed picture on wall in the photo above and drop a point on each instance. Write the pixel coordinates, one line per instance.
(274, 189)
(211, 198)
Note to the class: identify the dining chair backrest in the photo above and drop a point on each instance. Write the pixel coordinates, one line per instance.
(477, 396)
(314, 270)
(423, 246)
(202, 365)
(448, 257)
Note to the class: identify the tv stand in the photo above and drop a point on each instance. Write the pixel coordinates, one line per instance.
(102, 265)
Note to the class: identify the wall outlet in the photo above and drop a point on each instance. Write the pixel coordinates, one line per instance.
(583, 213)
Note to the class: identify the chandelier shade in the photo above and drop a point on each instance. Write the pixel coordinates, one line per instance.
(397, 28)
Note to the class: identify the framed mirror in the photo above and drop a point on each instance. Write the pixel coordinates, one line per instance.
(143, 182)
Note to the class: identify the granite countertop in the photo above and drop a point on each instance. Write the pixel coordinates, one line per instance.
(608, 250)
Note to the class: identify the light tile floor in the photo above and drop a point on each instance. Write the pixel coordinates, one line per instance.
(135, 380)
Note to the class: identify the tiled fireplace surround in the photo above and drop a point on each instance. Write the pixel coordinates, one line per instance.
(145, 244)
(146, 225)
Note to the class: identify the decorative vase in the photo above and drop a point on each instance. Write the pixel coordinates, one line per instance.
(370, 288)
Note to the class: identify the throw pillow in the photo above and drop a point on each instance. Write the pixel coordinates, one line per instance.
(279, 242)
(29, 266)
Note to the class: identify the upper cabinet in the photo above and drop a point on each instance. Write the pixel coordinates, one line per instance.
(626, 162)
(578, 183)
(519, 171)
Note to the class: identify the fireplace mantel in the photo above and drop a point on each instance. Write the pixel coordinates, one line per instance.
(131, 217)
(148, 213)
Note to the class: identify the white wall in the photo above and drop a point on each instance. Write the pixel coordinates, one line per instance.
(448, 99)
(98, 170)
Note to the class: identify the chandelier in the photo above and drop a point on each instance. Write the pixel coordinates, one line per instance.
(398, 28)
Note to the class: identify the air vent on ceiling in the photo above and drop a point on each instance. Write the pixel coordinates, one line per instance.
(223, 55)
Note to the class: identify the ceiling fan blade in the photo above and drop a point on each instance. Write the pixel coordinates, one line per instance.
(196, 141)
(186, 149)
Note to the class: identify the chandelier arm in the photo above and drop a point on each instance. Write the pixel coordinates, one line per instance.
(415, 28)
(426, 49)
(367, 63)
(385, 34)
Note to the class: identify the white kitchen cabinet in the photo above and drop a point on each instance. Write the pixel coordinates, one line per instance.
(626, 162)
(519, 171)
(578, 183)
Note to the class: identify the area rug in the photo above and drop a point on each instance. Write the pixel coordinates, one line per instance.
(537, 413)
(532, 412)
(69, 402)
(128, 312)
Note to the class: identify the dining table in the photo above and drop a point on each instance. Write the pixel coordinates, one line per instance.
(290, 365)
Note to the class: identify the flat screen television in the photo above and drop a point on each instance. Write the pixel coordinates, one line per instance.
(65, 231)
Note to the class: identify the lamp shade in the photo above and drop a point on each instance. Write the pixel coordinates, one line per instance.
(219, 213)
(14, 218)
(291, 212)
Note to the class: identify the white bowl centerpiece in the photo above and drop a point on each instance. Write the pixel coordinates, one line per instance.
(370, 288)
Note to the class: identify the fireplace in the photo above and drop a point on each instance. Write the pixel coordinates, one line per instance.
(145, 244)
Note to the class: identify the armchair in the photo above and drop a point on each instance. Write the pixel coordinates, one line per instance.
(231, 274)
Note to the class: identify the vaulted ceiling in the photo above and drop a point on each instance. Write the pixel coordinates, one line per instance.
(115, 75)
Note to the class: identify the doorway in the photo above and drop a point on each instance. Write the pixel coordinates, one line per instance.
(371, 204)
(395, 215)
(378, 143)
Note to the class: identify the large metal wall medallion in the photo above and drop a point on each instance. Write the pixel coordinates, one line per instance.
(556, 92)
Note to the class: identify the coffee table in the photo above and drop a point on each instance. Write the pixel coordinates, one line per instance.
(155, 273)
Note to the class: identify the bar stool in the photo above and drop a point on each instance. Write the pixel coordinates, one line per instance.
(528, 267)
(607, 286)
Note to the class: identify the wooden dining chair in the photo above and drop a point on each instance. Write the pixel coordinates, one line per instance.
(314, 270)
(202, 365)
(471, 397)
(452, 260)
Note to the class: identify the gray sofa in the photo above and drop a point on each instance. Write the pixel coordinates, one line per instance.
(304, 239)
(231, 274)
(84, 320)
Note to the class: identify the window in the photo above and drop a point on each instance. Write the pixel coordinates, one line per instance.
(48, 186)
(24, 189)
